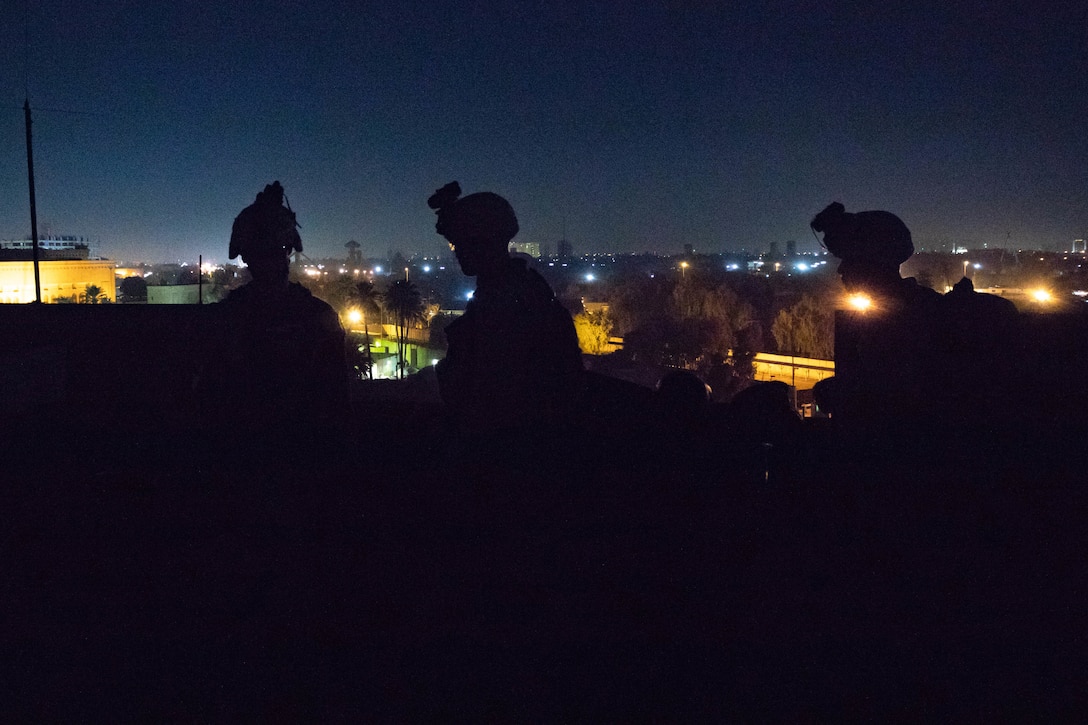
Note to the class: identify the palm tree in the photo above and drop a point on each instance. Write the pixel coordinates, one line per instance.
(93, 294)
(404, 301)
(368, 300)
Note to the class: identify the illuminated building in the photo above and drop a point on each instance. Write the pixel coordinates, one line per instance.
(64, 267)
(59, 278)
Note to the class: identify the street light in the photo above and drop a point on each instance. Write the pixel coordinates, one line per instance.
(684, 269)
(860, 302)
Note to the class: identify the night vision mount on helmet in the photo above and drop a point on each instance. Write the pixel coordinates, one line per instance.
(480, 216)
(267, 226)
(875, 236)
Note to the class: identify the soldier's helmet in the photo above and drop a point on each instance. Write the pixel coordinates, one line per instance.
(878, 237)
(481, 217)
(266, 226)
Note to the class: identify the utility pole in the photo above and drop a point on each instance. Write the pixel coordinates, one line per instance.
(33, 203)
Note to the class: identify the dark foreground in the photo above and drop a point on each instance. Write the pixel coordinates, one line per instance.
(402, 582)
(152, 570)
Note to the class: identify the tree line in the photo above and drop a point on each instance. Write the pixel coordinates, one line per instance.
(697, 320)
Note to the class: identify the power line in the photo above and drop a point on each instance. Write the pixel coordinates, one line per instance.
(57, 110)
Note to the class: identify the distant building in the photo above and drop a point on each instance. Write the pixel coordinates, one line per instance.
(1079, 246)
(530, 248)
(53, 247)
(689, 250)
(176, 294)
(592, 307)
(774, 250)
(563, 249)
(791, 248)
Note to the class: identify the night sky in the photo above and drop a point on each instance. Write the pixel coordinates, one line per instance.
(638, 126)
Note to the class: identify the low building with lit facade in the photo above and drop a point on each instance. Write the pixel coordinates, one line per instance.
(173, 294)
(59, 278)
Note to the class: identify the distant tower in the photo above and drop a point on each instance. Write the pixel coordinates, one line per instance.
(791, 248)
(564, 250)
(355, 257)
(1078, 246)
(774, 250)
(688, 250)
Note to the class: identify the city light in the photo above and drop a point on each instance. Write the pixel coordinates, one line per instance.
(590, 277)
(377, 270)
(859, 302)
(802, 267)
(468, 295)
(355, 317)
(426, 268)
(1041, 295)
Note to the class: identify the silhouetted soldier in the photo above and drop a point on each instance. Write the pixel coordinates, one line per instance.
(284, 363)
(886, 357)
(764, 426)
(981, 374)
(513, 363)
(979, 322)
(872, 245)
(679, 429)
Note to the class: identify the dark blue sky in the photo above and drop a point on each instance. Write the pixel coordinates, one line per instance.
(643, 125)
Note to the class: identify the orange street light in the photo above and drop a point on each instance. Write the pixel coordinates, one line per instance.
(860, 302)
(1042, 296)
(684, 269)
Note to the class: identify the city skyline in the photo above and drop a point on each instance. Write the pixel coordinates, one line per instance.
(723, 128)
